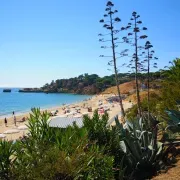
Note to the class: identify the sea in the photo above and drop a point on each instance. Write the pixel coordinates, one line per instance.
(23, 102)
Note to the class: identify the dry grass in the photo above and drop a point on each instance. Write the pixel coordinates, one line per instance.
(125, 88)
(129, 88)
(143, 95)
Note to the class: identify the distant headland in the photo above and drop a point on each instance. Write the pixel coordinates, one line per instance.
(84, 84)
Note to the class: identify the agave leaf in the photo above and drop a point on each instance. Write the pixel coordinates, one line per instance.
(123, 146)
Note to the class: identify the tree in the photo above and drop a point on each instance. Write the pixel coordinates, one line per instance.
(171, 85)
(173, 72)
(109, 25)
(134, 31)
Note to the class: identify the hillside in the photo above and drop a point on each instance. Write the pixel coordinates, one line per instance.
(83, 84)
(91, 84)
(130, 87)
(143, 95)
(126, 88)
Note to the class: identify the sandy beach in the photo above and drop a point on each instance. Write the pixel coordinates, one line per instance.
(95, 102)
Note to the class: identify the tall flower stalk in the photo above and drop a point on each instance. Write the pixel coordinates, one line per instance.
(134, 31)
(109, 25)
(149, 58)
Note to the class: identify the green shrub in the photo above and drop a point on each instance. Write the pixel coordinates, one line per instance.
(6, 158)
(53, 153)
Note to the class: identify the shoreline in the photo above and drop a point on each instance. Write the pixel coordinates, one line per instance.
(90, 102)
(43, 108)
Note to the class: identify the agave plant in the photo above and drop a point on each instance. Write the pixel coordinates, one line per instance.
(142, 150)
(174, 121)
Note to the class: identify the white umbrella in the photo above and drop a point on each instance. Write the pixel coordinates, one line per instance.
(11, 131)
(71, 113)
(62, 115)
(2, 136)
(78, 116)
(78, 108)
(85, 113)
(24, 127)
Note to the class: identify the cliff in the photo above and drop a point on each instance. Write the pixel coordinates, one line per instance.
(83, 84)
(87, 84)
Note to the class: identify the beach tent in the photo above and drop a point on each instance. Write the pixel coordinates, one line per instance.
(64, 122)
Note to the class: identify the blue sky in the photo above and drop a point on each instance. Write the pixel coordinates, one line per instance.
(44, 40)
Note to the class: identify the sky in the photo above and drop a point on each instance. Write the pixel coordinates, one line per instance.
(45, 40)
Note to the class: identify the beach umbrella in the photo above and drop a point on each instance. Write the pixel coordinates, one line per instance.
(71, 113)
(62, 115)
(78, 116)
(78, 109)
(11, 131)
(2, 136)
(24, 127)
(74, 112)
(85, 113)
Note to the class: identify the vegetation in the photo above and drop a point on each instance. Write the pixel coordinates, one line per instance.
(94, 151)
(171, 85)
(135, 150)
(83, 84)
(49, 153)
(91, 84)
(168, 96)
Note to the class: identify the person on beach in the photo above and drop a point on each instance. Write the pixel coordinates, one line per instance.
(5, 122)
(23, 119)
(13, 113)
(15, 120)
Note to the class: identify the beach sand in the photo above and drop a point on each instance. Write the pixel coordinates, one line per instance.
(92, 102)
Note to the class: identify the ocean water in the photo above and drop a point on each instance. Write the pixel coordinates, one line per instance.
(23, 102)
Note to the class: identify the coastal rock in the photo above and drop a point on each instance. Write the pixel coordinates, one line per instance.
(31, 90)
(6, 90)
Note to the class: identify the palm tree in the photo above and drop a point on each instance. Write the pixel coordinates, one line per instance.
(173, 73)
(171, 85)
